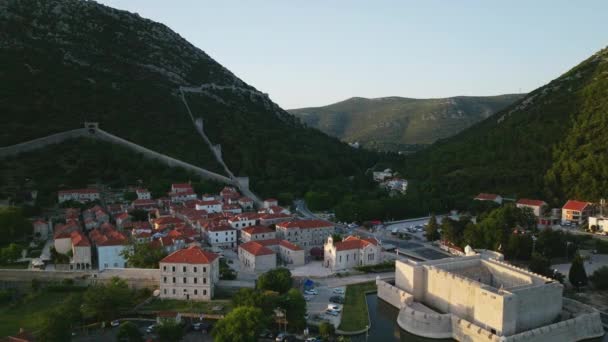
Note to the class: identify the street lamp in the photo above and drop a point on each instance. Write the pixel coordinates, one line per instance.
(534, 238)
(366, 332)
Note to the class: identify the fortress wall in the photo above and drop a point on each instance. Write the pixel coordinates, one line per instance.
(393, 295)
(459, 264)
(31, 145)
(495, 311)
(450, 293)
(463, 330)
(583, 327)
(404, 275)
(536, 278)
(425, 324)
(507, 276)
(538, 305)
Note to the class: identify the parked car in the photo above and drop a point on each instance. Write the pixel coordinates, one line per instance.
(115, 323)
(334, 307)
(266, 334)
(337, 299)
(202, 326)
(311, 292)
(283, 337)
(338, 290)
(331, 312)
(307, 298)
(314, 339)
(151, 328)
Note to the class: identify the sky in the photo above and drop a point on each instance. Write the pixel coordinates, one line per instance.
(307, 53)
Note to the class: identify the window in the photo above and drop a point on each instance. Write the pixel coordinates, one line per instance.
(195, 280)
(164, 279)
(173, 291)
(173, 280)
(173, 268)
(184, 269)
(195, 292)
(347, 257)
(165, 268)
(204, 292)
(340, 258)
(105, 265)
(185, 280)
(165, 291)
(115, 264)
(204, 269)
(195, 269)
(204, 280)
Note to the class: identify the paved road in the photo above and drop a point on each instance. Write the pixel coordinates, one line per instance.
(318, 304)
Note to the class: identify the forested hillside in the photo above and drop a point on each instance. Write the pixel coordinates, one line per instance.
(547, 145)
(70, 61)
(399, 123)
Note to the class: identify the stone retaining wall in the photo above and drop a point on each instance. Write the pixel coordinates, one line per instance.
(425, 324)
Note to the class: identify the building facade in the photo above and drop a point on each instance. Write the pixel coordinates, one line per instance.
(576, 212)
(479, 297)
(255, 257)
(351, 252)
(305, 233)
(254, 233)
(189, 274)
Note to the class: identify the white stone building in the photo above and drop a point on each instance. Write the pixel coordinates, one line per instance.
(351, 252)
(143, 194)
(537, 206)
(255, 257)
(189, 274)
(305, 233)
(243, 220)
(489, 197)
(212, 206)
(78, 195)
(81, 251)
(109, 245)
(41, 229)
(479, 297)
(270, 202)
(254, 233)
(221, 236)
(600, 222)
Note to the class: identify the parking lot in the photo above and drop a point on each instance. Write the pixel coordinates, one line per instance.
(109, 333)
(318, 304)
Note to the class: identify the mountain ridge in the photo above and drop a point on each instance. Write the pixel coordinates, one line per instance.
(394, 122)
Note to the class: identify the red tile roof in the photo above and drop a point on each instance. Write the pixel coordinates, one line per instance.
(245, 199)
(78, 191)
(531, 202)
(190, 255)
(220, 228)
(269, 242)
(107, 235)
(305, 224)
(487, 197)
(255, 248)
(576, 205)
(270, 200)
(289, 245)
(79, 239)
(257, 230)
(354, 242)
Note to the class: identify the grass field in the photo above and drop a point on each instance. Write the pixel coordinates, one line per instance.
(354, 312)
(28, 313)
(187, 306)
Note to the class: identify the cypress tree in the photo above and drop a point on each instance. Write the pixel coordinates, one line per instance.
(577, 275)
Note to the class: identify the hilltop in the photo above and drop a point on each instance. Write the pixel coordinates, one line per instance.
(550, 145)
(399, 123)
(70, 61)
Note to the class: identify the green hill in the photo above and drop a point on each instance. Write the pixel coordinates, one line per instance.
(398, 123)
(550, 144)
(67, 61)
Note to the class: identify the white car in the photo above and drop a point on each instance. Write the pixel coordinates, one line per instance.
(115, 323)
(307, 298)
(334, 307)
(331, 312)
(311, 292)
(338, 290)
(151, 328)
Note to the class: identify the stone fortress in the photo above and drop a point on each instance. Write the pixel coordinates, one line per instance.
(479, 297)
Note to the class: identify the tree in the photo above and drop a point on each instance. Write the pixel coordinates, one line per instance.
(128, 332)
(55, 327)
(143, 255)
(139, 215)
(170, 331)
(265, 300)
(244, 324)
(432, 229)
(326, 329)
(599, 278)
(336, 237)
(13, 225)
(577, 274)
(278, 280)
(106, 302)
(129, 196)
(540, 264)
(295, 305)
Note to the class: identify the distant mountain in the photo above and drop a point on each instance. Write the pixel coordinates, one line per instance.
(67, 61)
(552, 144)
(398, 123)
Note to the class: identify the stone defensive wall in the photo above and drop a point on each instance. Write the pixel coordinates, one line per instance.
(393, 295)
(42, 142)
(99, 134)
(429, 325)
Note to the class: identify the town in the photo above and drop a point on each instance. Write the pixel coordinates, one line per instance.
(187, 247)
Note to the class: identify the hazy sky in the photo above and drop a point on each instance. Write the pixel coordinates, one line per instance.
(313, 53)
